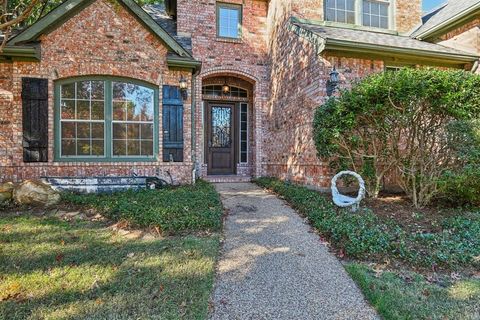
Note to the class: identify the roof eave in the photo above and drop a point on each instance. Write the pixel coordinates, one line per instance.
(450, 23)
(448, 58)
(183, 63)
(71, 7)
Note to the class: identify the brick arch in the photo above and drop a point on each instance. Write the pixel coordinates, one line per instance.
(233, 72)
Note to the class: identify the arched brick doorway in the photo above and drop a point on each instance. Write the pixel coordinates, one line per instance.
(228, 125)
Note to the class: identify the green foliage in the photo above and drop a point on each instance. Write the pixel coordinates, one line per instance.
(400, 122)
(410, 296)
(173, 210)
(365, 235)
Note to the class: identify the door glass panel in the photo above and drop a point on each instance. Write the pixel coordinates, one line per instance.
(221, 127)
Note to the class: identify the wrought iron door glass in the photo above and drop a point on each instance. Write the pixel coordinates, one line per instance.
(221, 127)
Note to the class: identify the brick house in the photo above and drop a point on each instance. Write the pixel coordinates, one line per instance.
(216, 89)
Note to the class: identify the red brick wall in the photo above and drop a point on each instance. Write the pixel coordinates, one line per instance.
(246, 59)
(299, 77)
(103, 39)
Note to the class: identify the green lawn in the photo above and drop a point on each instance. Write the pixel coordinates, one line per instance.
(81, 269)
(454, 246)
(410, 296)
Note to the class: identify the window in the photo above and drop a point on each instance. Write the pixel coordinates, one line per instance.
(376, 13)
(105, 119)
(216, 91)
(370, 13)
(229, 20)
(243, 133)
(340, 11)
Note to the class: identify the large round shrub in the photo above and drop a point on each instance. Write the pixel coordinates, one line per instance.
(400, 124)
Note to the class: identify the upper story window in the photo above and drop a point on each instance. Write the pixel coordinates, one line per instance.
(376, 14)
(340, 11)
(369, 13)
(229, 20)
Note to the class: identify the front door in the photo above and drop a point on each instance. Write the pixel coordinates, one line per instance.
(220, 138)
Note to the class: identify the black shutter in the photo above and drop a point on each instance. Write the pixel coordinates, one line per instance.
(35, 119)
(172, 124)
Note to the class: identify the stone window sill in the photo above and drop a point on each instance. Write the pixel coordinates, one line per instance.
(228, 40)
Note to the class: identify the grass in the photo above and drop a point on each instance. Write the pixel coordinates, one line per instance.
(403, 292)
(411, 296)
(173, 210)
(81, 269)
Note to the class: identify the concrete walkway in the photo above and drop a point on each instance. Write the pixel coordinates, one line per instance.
(273, 267)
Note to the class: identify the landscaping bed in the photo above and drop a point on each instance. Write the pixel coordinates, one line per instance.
(399, 261)
(73, 262)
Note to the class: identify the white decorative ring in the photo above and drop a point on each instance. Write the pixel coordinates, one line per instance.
(345, 201)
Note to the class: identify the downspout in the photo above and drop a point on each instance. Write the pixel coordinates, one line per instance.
(475, 67)
(193, 108)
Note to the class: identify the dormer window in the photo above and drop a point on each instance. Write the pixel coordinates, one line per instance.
(369, 13)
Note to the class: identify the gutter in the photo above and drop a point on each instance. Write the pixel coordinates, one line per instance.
(21, 52)
(185, 63)
(351, 46)
(322, 44)
(464, 15)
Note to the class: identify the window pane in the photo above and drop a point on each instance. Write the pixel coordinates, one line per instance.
(98, 88)
(83, 90)
(351, 5)
(97, 131)
(83, 110)
(68, 91)
(228, 22)
(133, 116)
(119, 131)
(98, 112)
(68, 147)
(98, 147)
(351, 17)
(83, 147)
(375, 14)
(83, 130)
(147, 148)
(68, 130)
(68, 109)
(330, 4)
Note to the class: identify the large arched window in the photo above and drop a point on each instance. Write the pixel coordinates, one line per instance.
(105, 119)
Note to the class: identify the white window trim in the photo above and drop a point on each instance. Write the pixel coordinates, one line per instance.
(240, 133)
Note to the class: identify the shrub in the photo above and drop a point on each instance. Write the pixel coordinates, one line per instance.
(173, 209)
(399, 122)
(365, 235)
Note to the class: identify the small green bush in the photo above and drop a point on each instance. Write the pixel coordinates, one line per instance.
(461, 188)
(364, 235)
(173, 210)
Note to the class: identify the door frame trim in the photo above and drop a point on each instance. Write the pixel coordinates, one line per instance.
(235, 145)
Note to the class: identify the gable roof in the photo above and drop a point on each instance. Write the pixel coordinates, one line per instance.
(446, 17)
(380, 44)
(70, 7)
(159, 13)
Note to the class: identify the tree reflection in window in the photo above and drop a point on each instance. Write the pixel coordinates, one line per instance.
(133, 116)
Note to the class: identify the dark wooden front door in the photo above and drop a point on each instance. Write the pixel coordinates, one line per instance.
(220, 138)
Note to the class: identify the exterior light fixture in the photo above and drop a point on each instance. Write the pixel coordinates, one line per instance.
(184, 88)
(332, 83)
(225, 88)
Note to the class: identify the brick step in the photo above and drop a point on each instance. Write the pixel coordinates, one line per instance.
(227, 179)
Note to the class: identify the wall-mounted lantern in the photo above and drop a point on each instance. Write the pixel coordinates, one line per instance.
(333, 82)
(225, 88)
(184, 88)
